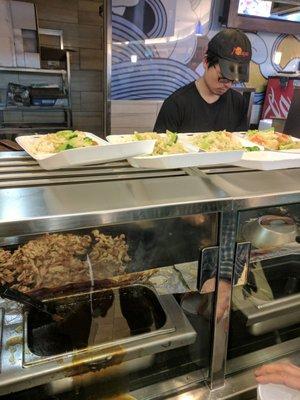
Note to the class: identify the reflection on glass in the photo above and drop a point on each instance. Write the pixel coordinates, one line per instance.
(160, 254)
(90, 320)
(265, 299)
(269, 9)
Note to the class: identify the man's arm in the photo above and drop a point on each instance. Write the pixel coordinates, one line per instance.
(168, 117)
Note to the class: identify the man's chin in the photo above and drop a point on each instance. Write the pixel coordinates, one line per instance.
(220, 92)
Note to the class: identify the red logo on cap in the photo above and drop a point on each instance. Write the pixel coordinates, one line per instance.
(238, 51)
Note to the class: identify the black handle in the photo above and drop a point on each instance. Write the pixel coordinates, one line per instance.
(7, 293)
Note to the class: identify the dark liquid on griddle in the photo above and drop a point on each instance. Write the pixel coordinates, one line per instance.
(90, 320)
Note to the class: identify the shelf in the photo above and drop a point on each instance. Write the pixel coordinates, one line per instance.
(34, 70)
(35, 108)
(17, 131)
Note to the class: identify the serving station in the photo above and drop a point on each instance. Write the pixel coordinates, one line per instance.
(157, 287)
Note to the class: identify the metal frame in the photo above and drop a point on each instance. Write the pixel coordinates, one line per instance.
(240, 386)
(227, 228)
(107, 11)
(219, 364)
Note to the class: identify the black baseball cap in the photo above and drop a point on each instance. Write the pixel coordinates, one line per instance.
(233, 49)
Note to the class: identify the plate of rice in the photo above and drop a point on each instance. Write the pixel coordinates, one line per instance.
(69, 148)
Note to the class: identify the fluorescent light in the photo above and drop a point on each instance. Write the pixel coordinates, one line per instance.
(133, 58)
(156, 40)
(199, 29)
(277, 57)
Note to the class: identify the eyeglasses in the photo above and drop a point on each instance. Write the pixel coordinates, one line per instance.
(221, 79)
(224, 80)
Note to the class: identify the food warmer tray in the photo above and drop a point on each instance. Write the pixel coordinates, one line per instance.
(262, 316)
(21, 369)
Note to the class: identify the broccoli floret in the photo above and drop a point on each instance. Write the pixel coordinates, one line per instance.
(67, 134)
(65, 146)
(252, 148)
(172, 137)
(88, 141)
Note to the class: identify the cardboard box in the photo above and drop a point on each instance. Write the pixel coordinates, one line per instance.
(18, 35)
(23, 15)
(6, 29)
(7, 53)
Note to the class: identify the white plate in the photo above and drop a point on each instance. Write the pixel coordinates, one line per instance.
(26, 141)
(295, 151)
(191, 159)
(269, 160)
(105, 152)
(126, 138)
(272, 391)
(116, 139)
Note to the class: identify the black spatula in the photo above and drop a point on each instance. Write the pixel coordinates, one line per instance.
(12, 294)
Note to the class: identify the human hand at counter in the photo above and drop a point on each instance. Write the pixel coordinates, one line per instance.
(224, 292)
(281, 373)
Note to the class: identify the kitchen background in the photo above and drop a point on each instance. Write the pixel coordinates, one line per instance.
(82, 32)
(157, 46)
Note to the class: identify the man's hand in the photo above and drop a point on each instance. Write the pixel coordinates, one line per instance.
(223, 304)
(209, 286)
(224, 291)
(282, 373)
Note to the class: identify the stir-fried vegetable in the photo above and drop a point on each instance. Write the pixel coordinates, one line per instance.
(217, 141)
(273, 140)
(62, 140)
(165, 143)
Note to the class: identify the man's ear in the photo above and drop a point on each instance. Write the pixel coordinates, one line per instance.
(205, 64)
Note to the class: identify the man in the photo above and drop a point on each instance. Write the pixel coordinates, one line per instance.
(209, 103)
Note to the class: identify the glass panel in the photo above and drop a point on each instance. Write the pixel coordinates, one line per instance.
(124, 286)
(265, 301)
(269, 9)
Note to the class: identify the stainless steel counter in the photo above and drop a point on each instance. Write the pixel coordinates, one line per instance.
(117, 192)
(22, 369)
(34, 201)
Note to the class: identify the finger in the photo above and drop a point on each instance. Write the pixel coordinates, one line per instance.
(221, 311)
(276, 368)
(280, 378)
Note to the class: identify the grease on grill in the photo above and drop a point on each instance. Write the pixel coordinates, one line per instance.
(91, 320)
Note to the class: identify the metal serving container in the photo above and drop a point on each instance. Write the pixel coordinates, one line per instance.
(22, 368)
(283, 310)
(270, 231)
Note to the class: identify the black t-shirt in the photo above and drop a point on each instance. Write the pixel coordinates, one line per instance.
(186, 111)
